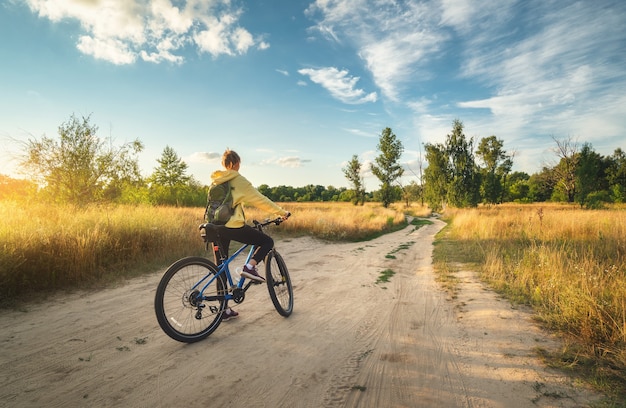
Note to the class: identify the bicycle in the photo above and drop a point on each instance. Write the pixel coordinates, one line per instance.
(194, 293)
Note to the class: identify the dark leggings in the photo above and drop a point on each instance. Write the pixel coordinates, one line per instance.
(245, 235)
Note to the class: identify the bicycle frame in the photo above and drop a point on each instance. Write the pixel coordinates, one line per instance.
(224, 269)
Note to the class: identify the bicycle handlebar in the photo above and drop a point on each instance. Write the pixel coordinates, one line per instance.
(258, 225)
(277, 221)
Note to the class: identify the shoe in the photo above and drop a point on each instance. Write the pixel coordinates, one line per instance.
(252, 274)
(229, 314)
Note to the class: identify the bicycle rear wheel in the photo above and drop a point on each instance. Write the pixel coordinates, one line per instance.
(182, 311)
(279, 283)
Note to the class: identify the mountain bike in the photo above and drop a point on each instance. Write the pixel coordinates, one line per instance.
(194, 292)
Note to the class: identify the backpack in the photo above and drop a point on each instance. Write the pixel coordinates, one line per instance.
(219, 207)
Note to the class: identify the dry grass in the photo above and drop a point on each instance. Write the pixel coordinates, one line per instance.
(568, 263)
(339, 221)
(48, 247)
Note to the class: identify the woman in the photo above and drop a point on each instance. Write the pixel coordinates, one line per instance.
(236, 228)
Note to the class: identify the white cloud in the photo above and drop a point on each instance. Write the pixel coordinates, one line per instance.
(291, 162)
(361, 133)
(109, 49)
(204, 157)
(396, 41)
(340, 84)
(476, 17)
(242, 40)
(287, 161)
(538, 68)
(120, 31)
(554, 79)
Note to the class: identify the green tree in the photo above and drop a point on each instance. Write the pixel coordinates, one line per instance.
(266, 191)
(590, 176)
(387, 169)
(565, 171)
(284, 194)
(616, 175)
(436, 176)
(169, 183)
(172, 170)
(332, 193)
(496, 166)
(352, 171)
(541, 185)
(518, 188)
(79, 167)
(412, 192)
(464, 186)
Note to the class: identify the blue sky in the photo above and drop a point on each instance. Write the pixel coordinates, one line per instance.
(298, 87)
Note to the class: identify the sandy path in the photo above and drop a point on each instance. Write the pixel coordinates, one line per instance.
(349, 343)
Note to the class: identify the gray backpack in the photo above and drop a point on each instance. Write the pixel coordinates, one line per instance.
(219, 207)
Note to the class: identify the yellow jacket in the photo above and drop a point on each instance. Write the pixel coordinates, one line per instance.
(243, 192)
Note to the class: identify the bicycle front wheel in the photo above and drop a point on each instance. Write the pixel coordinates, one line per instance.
(183, 312)
(279, 283)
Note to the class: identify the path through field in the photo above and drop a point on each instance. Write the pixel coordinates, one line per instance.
(351, 342)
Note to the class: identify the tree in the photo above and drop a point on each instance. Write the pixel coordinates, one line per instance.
(352, 171)
(436, 176)
(172, 170)
(412, 192)
(565, 170)
(387, 169)
(79, 167)
(496, 166)
(464, 186)
(616, 175)
(518, 188)
(541, 185)
(169, 181)
(589, 174)
(16, 189)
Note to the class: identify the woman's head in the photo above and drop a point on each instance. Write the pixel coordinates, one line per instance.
(230, 160)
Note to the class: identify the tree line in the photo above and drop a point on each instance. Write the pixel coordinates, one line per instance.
(459, 175)
(81, 168)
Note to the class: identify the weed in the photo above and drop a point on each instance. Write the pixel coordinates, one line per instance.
(420, 222)
(391, 255)
(385, 276)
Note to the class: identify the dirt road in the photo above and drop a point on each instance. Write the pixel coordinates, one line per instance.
(351, 342)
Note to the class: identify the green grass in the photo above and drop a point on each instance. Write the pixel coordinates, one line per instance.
(385, 276)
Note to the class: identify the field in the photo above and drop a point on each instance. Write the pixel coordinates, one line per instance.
(568, 264)
(46, 248)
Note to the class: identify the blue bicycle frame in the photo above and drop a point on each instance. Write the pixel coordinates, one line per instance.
(223, 269)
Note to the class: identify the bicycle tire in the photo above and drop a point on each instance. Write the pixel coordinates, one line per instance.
(180, 313)
(279, 283)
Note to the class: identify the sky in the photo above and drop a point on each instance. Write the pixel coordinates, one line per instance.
(299, 87)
